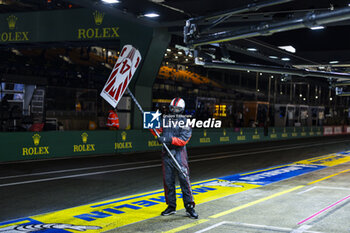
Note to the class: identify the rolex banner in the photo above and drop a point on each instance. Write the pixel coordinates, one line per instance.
(121, 75)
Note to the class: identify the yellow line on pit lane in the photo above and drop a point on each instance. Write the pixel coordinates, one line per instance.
(274, 195)
(256, 202)
(184, 227)
(327, 177)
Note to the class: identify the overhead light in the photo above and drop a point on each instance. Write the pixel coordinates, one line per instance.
(333, 62)
(248, 71)
(179, 52)
(330, 98)
(316, 97)
(281, 93)
(273, 57)
(260, 73)
(321, 67)
(186, 59)
(271, 76)
(304, 98)
(285, 59)
(110, 1)
(176, 57)
(165, 54)
(201, 58)
(288, 48)
(151, 15)
(258, 90)
(168, 50)
(301, 95)
(317, 28)
(252, 49)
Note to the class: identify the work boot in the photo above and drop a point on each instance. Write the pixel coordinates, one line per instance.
(169, 211)
(190, 212)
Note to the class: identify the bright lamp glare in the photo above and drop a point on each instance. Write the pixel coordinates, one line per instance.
(152, 15)
(317, 28)
(288, 48)
(110, 1)
(285, 59)
(252, 49)
(333, 62)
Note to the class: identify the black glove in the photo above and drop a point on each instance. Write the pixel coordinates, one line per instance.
(165, 140)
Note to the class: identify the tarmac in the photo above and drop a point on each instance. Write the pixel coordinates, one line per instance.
(281, 186)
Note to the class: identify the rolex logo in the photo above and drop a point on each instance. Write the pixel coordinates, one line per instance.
(98, 17)
(224, 132)
(205, 133)
(84, 137)
(12, 21)
(123, 136)
(36, 139)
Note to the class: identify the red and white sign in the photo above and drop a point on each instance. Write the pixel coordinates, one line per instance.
(347, 129)
(327, 130)
(121, 75)
(337, 130)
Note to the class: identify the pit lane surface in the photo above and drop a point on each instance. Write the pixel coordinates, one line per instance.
(31, 188)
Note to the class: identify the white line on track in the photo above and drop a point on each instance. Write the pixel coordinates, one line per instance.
(141, 162)
(157, 165)
(259, 227)
(322, 187)
(79, 175)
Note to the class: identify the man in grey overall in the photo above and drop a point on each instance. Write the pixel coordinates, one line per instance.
(176, 138)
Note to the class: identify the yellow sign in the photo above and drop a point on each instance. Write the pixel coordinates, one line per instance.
(84, 147)
(273, 135)
(98, 17)
(84, 137)
(13, 36)
(11, 20)
(37, 150)
(326, 160)
(256, 136)
(123, 145)
(123, 211)
(36, 139)
(205, 139)
(241, 138)
(97, 33)
(224, 139)
(154, 143)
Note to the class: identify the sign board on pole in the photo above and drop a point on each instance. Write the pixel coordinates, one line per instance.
(121, 75)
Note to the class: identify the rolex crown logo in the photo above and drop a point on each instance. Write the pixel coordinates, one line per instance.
(12, 21)
(36, 139)
(123, 136)
(205, 133)
(224, 132)
(84, 137)
(98, 17)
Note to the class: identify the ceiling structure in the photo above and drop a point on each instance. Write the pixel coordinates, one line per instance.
(324, 49)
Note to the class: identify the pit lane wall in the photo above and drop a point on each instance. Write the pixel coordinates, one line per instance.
(44, 145)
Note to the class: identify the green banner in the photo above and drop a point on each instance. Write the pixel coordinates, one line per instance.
(67, 25)
(44, 145)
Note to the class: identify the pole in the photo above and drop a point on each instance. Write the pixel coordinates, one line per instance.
(176, 164)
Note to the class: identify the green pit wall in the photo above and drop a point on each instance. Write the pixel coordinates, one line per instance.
(55, 144)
